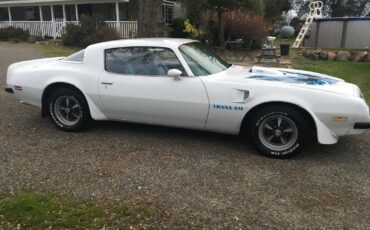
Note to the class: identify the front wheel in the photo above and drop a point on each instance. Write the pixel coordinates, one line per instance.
(68, 110)
(278, 131)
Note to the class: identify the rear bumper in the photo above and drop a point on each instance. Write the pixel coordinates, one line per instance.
(362, 126)
(9, 90)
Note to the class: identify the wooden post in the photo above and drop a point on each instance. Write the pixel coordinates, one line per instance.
(344, 34)
(53, 21)
(9, 14)
(76, 10)
(118, 26)
(317, 35)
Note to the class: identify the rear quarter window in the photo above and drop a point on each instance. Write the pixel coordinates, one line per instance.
(76, 57)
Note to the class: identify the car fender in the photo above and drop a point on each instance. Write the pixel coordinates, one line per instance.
(324, 134)
(92, 102)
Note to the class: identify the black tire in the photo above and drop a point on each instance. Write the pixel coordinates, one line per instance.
(75, 103)
(289, 130)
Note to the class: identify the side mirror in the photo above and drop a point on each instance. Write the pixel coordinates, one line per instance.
(175, 73)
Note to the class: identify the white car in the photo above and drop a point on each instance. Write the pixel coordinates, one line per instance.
(179, 83)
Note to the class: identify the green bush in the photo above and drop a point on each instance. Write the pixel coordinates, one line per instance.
(92, 24)
(103, 35)
(92, 29)
(73, 35)
(14, 34)
(178, 29)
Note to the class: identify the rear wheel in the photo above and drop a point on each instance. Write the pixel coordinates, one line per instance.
(68, 110)
(279, 131)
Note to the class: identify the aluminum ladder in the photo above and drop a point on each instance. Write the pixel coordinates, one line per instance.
(315, 12)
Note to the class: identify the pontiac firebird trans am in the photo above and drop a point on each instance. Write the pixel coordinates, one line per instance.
(179, 83)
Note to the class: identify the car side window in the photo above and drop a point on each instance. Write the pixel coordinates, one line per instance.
(147, 61)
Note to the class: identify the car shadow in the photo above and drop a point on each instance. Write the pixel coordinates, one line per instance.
(351, 148)
(313, 152)
(177, 134)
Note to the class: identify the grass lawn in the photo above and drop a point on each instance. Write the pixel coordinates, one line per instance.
(53, 50)
(35, 211)
(353, 72)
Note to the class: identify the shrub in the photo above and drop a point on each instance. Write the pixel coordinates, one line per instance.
(104, 34)
(92, 29)
(73, 35)
(92, 24)
(192, 31)
(14, 34)
(178, 28)
(296, 23)
(238, 24)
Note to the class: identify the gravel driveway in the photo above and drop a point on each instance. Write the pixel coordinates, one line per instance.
(213, 179)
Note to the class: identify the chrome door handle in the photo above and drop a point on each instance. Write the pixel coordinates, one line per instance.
(107, 83)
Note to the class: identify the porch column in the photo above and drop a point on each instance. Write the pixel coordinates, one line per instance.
(9, 14)
(53, 21)
(118, 26)
(52, 13)
(41, 15)
(41, 20)
(64, 13)
(76, 10)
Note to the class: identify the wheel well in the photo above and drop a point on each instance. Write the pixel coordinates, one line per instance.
(47, 92)
(257, 108)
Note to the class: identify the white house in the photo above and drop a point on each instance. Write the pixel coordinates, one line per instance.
(48, 18)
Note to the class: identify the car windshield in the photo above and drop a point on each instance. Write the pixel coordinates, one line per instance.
(76, 57)
(201, 60)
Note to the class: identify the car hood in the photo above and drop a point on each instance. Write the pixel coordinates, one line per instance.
(291, 77)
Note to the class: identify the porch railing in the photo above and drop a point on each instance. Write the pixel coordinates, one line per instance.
(126, 29)
(55, 29)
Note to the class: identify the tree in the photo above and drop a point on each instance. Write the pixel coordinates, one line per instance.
(337, 8)
(197, 7)
(194, 10)
(220, 7)
(275, 8)
(150, 19)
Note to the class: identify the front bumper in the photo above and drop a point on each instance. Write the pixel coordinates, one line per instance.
(362, 126)
(9, 90)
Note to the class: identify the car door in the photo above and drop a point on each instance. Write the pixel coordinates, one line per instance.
(135, 87)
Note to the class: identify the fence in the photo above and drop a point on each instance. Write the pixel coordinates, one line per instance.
(55, 29)
(336, 33)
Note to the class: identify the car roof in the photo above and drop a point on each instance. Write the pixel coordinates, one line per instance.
(163, 42)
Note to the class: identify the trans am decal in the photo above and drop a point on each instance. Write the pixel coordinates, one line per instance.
(228, 107)
(295, 78)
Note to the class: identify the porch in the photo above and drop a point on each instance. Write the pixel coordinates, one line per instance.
(48, 18)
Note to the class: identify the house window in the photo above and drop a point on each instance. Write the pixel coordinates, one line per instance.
(4, 14)
(30, 13)
(70, 13)
(25, 13)
(46, 13)
(168, 10)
